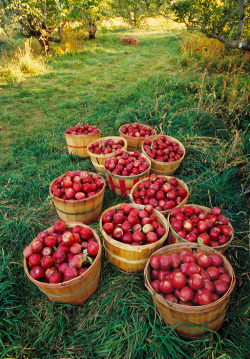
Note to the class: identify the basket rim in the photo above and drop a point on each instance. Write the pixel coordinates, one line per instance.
(221, 247)
(129, 246)
(69, 225)
(129, 177)
(154, 137)
(136, 138)
(180, 307)
(91, 154)
(168, 177)
(88, 135)
(76, 200)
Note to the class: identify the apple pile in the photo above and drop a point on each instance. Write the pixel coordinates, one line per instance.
(82, 130)
(137, 130)
(106, 146)
(133, 226)
(189, 279)
(126, 163)
(61, 254)
(195, 225)
(77, 185)
(163, 150)
(162, 195)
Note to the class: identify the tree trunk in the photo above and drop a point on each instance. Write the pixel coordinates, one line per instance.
(45, 45)
(92, 30)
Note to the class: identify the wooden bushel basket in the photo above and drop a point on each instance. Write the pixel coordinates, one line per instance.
(191, 321)
(77, 144)
(181, 184)
(130, 258)
(85, 210)
(98, 160)
(76, 290)
(122, 185)
(135, 143)
(164, 168)
(175, 238)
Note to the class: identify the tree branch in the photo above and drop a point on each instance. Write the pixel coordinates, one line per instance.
(235, 44)
(158, 13)
(54, 39)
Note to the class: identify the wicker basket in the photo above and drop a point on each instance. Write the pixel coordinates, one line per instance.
(180, 183)
(130, 258)
(122, 185)
(77, 144)
(76, 290)
(175, 238)
(191, 321)
(164, 168)
(98, 160)
(135, 143)
(86, 210)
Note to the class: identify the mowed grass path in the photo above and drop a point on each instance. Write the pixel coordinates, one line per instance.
(108, 84)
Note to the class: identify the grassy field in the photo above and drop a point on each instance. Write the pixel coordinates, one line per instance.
(193, 90)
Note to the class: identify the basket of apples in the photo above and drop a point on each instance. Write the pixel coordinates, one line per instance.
(162, 192)
(135, 134)
(79, 137)
(64, 262)
(125, 170)
(131, 233)
(198, 224)
(78, 196)
(164, 152)
(105, 147)
(191, 287)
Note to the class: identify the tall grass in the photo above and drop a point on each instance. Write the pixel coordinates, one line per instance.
(109, 84)
(22, 66)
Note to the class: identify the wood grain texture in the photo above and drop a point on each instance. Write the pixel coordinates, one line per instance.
(77, 144)
(135, 143)
(175, 238)
(130, 258)
(181, 184)
(76, 290)
(98, 160)
(187, 318)
(164, 168)
(86, 210)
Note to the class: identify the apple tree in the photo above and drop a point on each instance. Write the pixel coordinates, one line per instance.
(226, 20)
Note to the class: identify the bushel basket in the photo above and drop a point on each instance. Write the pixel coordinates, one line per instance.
(76, 290)
(86, 210)
(99, 159)
(122, 185)
(181, 184)
(191, 321)
(77, 144)
(134, 143)
(164, 168)
(175, 238)
(130, 258)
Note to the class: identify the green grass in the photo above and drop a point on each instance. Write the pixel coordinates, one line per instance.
(108, 84)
